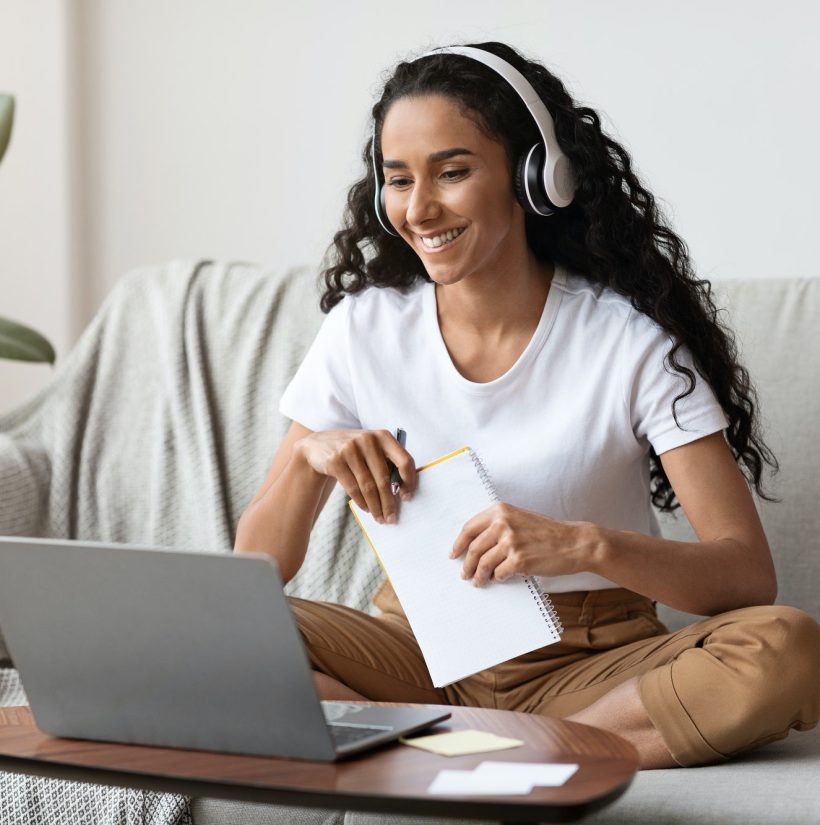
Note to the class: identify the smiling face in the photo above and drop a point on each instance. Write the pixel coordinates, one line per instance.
(448, 191)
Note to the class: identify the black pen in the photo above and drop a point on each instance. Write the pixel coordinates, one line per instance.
(395, 477)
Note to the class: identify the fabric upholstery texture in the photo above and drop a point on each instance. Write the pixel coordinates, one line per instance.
(161, 423)
(776, 322)
(157, 429)
(228, 812)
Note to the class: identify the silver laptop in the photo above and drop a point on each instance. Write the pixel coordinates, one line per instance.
(178, 649)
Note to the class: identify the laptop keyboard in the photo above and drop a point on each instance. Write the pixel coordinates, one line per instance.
(343, 735)
(347, 733)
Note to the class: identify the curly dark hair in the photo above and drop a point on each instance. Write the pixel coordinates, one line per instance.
(613, 234)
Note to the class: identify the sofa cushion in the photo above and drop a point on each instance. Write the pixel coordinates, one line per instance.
(229, 812)
(778, 783)
(776, 321)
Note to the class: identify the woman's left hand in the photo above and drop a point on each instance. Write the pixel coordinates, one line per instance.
(504, 541)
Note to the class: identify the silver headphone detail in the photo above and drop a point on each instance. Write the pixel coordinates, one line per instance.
(544, 180)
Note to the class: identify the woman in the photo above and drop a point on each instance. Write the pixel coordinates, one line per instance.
(555, 324)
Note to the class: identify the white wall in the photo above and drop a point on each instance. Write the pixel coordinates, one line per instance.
(209, 128)
(36, 255)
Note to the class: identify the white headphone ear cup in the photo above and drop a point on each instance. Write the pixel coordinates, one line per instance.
(381, 211)
(378, 199)
(563, 178)
(528, 182)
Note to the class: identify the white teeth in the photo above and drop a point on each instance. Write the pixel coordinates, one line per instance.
(445, 237)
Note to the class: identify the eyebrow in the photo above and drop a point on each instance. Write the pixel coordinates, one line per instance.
(444, 154)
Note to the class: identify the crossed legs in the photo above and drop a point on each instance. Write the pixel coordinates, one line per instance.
(620, 711)
(714, 689)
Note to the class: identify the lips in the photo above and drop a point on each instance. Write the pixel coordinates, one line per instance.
(443, 240)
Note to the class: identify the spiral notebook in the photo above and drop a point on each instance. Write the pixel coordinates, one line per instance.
(461, 629)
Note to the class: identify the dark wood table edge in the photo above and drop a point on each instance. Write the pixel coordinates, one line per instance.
(448, 807)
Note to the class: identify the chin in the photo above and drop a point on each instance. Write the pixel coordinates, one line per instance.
(447, 274)
(444, 279)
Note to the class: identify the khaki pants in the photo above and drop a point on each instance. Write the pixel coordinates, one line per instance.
(721, 686)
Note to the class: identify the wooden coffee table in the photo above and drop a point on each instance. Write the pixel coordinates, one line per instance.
(390, 780)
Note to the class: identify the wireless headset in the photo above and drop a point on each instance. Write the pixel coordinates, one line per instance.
(543, 179)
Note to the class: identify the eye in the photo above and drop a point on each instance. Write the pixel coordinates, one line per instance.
(454, 174)
(398, 182)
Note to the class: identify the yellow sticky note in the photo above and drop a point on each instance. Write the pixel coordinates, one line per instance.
(460, 742)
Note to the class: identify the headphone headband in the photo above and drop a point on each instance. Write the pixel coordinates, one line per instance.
(558, 180)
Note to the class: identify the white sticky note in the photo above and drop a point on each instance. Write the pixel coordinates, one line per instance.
(468, 783)
(544, 774)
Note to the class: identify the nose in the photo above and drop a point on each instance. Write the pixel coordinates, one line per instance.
(423, 204)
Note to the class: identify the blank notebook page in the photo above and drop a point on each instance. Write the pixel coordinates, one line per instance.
(461, 629)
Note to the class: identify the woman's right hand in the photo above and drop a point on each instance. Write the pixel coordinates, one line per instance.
(360, 461)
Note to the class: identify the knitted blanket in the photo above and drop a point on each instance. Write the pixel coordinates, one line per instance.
(157, 429)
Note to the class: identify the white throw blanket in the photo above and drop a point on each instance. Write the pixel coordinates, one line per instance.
(157, 429)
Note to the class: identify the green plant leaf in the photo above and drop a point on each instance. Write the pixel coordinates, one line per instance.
(21, 343)
(6, 119)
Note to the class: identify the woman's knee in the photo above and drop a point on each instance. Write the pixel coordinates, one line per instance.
(795, 632)
(800, 637)
(793, 638)
(753, 674)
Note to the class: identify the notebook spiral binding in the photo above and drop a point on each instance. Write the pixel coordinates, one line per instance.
(543, 600)
(484, 475)
(545, 605)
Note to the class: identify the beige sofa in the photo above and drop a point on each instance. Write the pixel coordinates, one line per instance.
(160, 425)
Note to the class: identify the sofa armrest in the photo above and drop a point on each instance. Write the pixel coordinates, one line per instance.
(24, 475)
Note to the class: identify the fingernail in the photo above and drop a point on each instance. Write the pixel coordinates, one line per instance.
(391, 519)
(405, 496)
(379, 519)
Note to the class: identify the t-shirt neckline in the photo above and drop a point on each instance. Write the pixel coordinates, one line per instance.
(536, 342)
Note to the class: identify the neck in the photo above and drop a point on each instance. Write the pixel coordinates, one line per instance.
(494, 305)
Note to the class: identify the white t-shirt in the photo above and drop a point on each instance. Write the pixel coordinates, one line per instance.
(565, 432)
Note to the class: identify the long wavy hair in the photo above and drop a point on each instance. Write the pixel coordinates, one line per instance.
(613, 234)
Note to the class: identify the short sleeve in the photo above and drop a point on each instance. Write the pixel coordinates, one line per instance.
(653, 386)
(320, 395)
